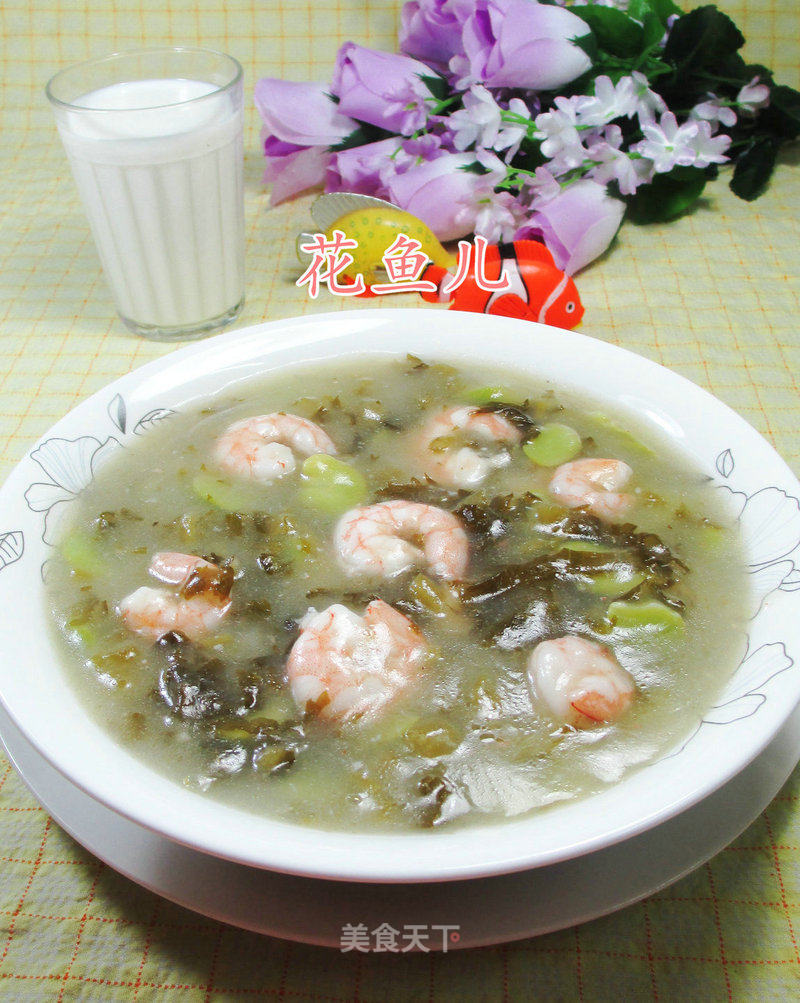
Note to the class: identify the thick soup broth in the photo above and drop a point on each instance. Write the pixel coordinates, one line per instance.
(257, 678)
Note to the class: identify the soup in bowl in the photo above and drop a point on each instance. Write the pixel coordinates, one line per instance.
(401, 596)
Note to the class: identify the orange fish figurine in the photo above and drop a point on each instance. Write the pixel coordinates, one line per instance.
(538, 289)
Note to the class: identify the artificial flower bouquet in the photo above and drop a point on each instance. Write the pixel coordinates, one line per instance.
(553, 120)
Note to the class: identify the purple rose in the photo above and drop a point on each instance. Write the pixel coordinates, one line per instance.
(382, 88)
(301, 114)
(369, 169)
(520, 43)
(577, 225)
(431, 29)
(444, 195)
(362, 168)
(300, 123)
(291, 169)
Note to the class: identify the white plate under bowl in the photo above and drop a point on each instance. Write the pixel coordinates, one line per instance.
(485, 910)
(758, 699)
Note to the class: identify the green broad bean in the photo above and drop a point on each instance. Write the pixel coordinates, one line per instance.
(278, 708)
(712, 537)
(544, 513)
(391, 727)
(86, 633)
(586, 546)
(272, 758)
(432, 738)
(555, 444)
(615, 583)
(290, 546)
(231, 733)
(432, 596)
(624, 436)
(491, 395)
(612, 583)
(219, 493)
(331, 485)
(647, 614)
(82, 554)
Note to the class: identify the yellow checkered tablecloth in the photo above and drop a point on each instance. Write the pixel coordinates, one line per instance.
(713, 296)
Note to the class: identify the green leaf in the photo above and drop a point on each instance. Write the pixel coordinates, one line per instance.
(361, 136)
(437, 85)
(753, 168)
(639, 9)
(653, 30)
(702, 38)
(588, 43)
(665, 9)
(784, 111)
(668, 196)
(615, 32)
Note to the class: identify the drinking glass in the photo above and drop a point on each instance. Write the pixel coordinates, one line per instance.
(154, 139)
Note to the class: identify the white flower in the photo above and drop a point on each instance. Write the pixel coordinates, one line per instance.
(511, 135)
(609, 101)
(709, 149)
(614, 164)
(650, 104)
(494, 215)
(713, 111)
(540, 188)
(668, 144)
(561, 142)
(461, 71)
(498, 217)
(480, 123)
(753, 96)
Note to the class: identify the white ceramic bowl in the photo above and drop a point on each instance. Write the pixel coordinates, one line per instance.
(761, 693)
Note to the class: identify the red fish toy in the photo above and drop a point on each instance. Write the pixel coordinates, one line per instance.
(538, 289)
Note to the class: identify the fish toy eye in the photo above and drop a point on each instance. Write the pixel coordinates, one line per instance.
(570, 307)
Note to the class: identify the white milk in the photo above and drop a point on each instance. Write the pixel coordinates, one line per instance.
(161, 183)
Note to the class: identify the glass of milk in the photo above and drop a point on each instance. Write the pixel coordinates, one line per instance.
(154, 139)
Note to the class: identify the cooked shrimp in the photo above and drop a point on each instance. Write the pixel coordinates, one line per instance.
(385, 539)
(593, 484)
(348, 665)
(262, 448)
(580, 681)
(203, 597)
(465, 467)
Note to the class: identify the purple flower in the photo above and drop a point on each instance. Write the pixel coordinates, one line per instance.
(301, 114)
(431, 29)
(362, 169)
(291, 169)
(381, 88)
(520, 43)
(300, 123)
(577, 225)
(445, 195)
(369, 169)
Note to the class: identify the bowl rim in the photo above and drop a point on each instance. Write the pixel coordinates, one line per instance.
(208, 826)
